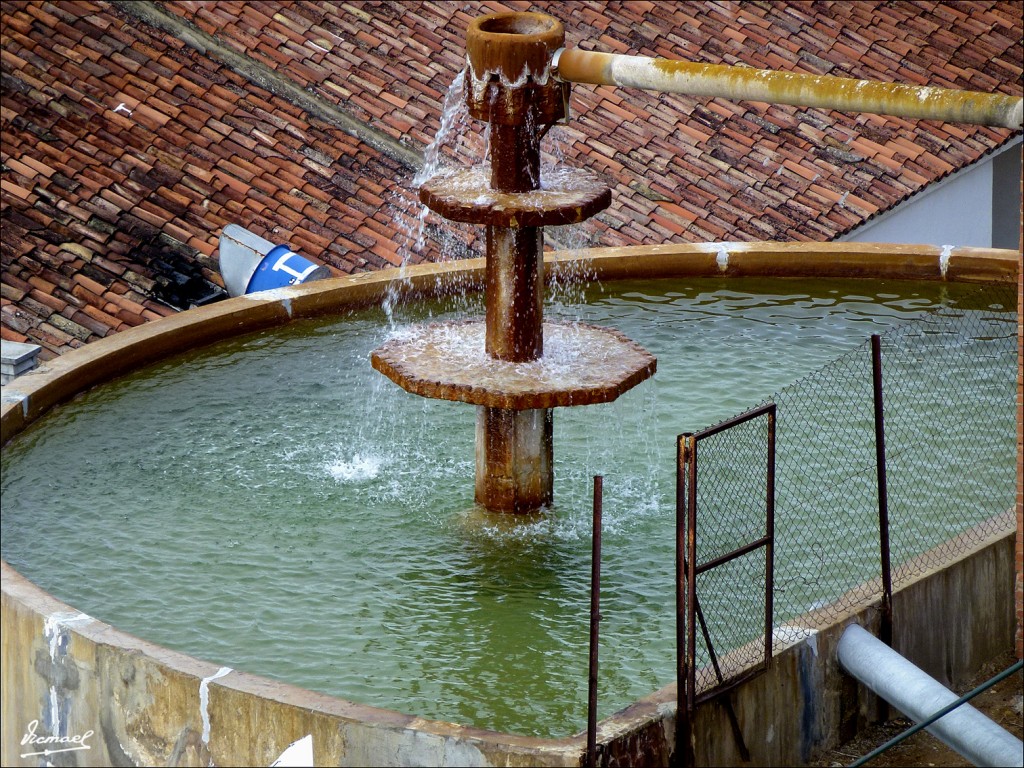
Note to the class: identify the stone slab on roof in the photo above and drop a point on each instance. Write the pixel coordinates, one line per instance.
(126, 147)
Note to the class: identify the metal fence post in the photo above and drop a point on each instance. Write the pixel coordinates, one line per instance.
(885, 628)
(595, 620)
(769, 554)
(681, 753)
(885, 634)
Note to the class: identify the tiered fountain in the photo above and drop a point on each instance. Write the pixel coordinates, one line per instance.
(513, 384)
(74, 673)
(519, 84)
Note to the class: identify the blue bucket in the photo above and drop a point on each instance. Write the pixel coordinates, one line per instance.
(282, 267)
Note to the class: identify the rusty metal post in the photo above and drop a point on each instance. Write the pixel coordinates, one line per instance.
(883, 493)
(690, 563)
(769, 535)
(680, 595)
(595, 621)
(685, 639)
(885, 628)
(509, 57)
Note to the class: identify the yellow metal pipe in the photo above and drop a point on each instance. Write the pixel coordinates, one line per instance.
(765, 85)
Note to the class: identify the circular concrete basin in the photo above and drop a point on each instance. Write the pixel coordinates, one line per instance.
(146, 704)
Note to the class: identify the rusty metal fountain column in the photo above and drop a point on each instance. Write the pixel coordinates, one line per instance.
(511, 88)
(513, 448)
(514, 468)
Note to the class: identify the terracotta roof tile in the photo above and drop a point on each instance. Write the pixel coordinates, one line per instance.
(128, 142)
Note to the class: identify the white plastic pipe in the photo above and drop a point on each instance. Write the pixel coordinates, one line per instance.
(765, 85)
(918, 696)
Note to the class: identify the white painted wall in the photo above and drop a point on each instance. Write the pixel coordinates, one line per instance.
(967, 208)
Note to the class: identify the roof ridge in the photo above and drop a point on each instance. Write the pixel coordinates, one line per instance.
(265, 77)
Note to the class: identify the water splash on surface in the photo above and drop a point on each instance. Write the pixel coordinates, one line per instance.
(355, 469)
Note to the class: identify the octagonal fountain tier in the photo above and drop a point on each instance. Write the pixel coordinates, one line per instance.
(512, 365)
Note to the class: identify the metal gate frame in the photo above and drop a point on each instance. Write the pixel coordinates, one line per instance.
(688, 611)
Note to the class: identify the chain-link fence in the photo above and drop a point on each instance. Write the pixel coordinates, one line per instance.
(949, 393)
(728, 547)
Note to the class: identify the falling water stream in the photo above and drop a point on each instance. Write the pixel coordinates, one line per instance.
(272, 504)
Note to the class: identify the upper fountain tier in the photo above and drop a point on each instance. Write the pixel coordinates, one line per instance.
(565, 196)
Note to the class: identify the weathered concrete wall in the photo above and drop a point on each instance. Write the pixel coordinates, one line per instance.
(134, 703)
(960, 617)
(948, 622)
(86, 684)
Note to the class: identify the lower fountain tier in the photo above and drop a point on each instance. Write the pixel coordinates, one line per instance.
(566, 196)
(581, 365)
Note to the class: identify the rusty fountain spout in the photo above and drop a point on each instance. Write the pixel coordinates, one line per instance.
(511, 88)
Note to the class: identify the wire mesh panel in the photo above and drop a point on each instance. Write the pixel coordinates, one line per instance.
(949, 381)
(728, 502)
(763, 539)
(826, 489)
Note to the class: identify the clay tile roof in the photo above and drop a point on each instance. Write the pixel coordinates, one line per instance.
(132, 132)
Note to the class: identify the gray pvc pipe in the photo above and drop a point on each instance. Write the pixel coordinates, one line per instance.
(918, 696)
